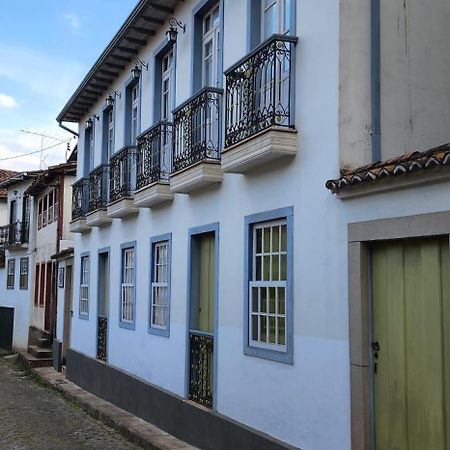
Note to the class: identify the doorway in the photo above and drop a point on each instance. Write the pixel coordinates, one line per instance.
(6, 328)
(411, 344)
(102, 305)
(203, 315)
(68, 310)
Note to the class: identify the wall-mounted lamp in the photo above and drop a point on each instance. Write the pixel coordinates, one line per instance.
(172, 32)
(111, 99)
(137, 69)
(90, 121)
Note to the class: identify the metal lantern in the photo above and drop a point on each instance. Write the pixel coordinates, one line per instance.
(136, 72)
(89, 123)
(172, 34)
(110, 100)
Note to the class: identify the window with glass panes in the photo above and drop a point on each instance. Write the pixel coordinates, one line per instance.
(211, 47)
(134, 112)
(166, 85)
(160, 285)
(267, 287)
(127, 285)
(10, 271)
(110, 137)
(50, 206)
(276, 17)
(84, 286)
(40, 214)
(23, 279)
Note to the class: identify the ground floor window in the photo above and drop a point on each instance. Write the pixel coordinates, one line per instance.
(127, 286)
(23, 279)
(10, 273)
(84, 286)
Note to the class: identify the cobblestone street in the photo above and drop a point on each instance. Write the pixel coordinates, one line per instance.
(33, 417)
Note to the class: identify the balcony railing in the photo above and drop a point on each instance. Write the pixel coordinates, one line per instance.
(14, 234)
(153, 155)
(259, 90)
(98, 188)
(197, 129)
(80, 198)
(122, 173)
(201, 368)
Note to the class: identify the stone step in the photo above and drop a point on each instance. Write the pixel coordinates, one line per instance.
(43, 343)
(33, 362)
(40, 352)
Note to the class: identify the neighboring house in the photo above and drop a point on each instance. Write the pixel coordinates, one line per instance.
(212, 267)
(52, 195)
(15, 280)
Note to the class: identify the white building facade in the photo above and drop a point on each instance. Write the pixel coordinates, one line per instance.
(211, 264)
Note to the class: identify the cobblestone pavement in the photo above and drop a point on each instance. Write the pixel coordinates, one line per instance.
(33, 417)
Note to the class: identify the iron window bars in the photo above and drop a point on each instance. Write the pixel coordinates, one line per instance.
(197, 129)
(259, 90)
(15, 233)
(79, 198)
(122, 173)
(154, 148)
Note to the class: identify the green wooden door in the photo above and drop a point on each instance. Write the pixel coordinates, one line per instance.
(411, 324)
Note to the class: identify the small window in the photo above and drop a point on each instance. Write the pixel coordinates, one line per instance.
(134, 112)
(44, 211)
(211, 47)
(166, 85)
(269, 304)
(84, 287)
(160, 286)
(23, 279)
(56, 205)
(50, 207)
(10, 273)
(127, 288)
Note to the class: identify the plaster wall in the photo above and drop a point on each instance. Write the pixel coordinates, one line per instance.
(307, 403)
(3, 211)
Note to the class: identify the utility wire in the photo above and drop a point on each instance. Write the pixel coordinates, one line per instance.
(36, 151)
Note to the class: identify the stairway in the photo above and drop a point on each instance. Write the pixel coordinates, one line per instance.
(40, 355)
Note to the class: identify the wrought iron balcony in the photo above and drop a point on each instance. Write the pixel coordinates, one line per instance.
(122, 173)
(259, 90)
(80, 199)
(197, 129)
(98, 188)
(201, 368)
(153, 155)
(14, 234)
(2, 258)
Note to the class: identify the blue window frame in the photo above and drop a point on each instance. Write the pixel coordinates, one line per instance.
(127, 293)
(268, 307)
(160, 279)
(83, 306)
(132, 111)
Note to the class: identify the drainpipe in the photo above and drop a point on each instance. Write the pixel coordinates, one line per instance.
(376, 79)
(68, 129)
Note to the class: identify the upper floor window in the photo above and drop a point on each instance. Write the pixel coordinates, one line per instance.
(134, 112)
(276, 17)
(211, 47)
(48, 208)
(166, 85)
(10, 273)
(13, 211)
(110, 139)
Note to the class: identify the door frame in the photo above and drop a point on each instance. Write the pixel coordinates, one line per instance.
(192, 234)
(102, 251)
(359, 239)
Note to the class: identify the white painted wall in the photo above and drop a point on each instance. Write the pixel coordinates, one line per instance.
(3, 211)
(17, 298)
(306, 404)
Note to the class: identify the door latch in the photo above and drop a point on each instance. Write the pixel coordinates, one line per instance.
(376, 349)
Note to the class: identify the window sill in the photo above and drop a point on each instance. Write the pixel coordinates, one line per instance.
(271, 355)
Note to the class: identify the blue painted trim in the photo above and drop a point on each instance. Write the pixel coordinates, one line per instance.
(195, 231)
(154, 240)
(287, 213)
(85, 316)
(127, 325)
(102, 251)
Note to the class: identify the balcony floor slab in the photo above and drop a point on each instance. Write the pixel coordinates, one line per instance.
(273, 144)
(196, 177)
(122, 208)
(79, 226)
(98, 218)
(153, 195)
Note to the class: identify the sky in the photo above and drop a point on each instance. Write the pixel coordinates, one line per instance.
(46, 49)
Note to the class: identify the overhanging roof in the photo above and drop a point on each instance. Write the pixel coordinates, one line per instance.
(144, 20)
(42, 182)
(18, 177)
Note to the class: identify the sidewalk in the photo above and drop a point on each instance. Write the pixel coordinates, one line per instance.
(137, 430)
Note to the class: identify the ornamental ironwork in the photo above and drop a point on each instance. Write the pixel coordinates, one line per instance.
(259, 90)
(201, 368)
(122, 173)
(15, 233)
(79, 198)
(153, 155)
(197, 129)
(98, 188)
(102, 328)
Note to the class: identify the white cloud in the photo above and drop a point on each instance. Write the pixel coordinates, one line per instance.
(73, 19)
(6, 101)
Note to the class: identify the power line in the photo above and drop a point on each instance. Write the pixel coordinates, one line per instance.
(36, 151)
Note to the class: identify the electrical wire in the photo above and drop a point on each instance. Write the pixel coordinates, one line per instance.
(36, 151)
